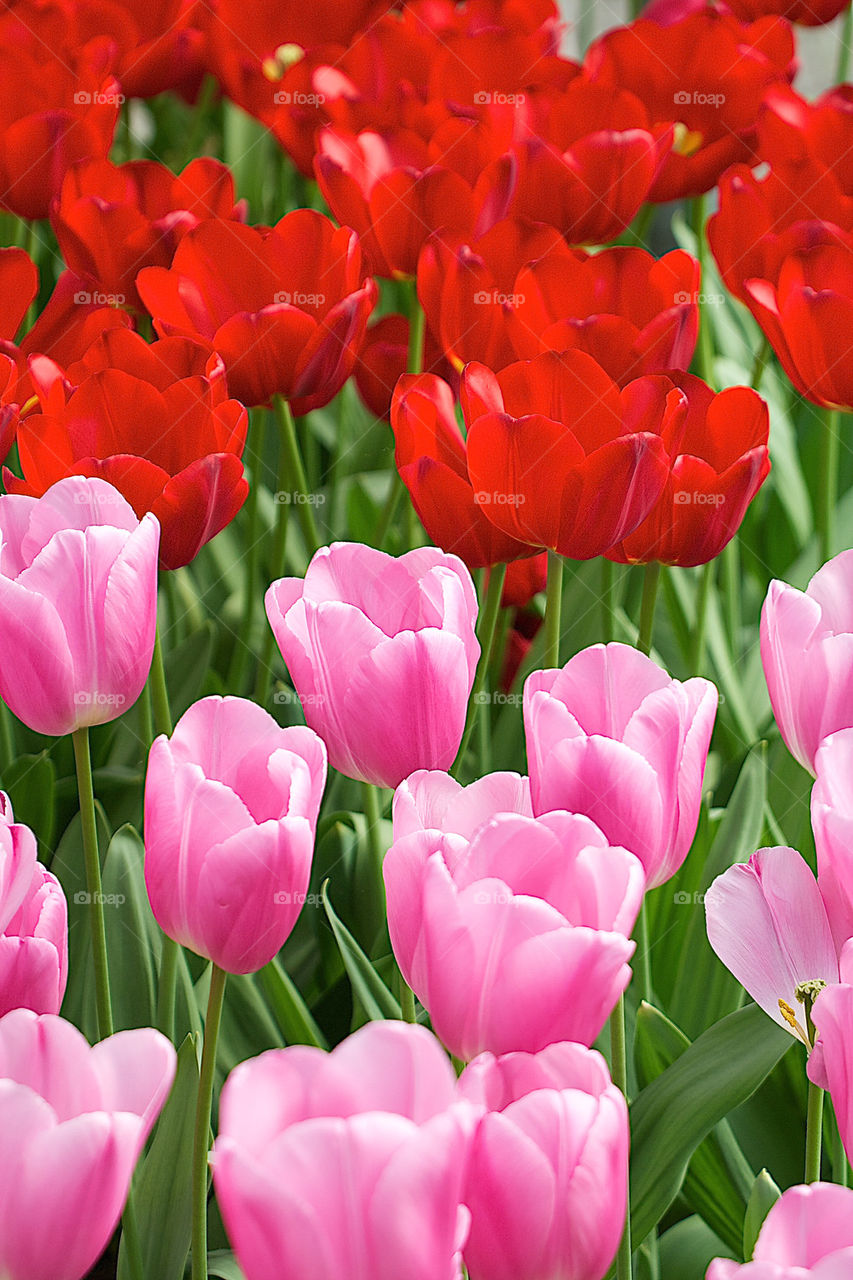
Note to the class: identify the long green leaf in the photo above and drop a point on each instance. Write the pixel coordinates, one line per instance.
(371, 992)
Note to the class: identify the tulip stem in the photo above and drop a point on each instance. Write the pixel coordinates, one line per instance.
(204, 1103)
(417, 325)
(829, 457)
(373, 817)
(814, 1128)
(704, 347)
(703, 592)
(159, 690)
(644, 954)
(651, 578)
(553, 610)
(760, 364)
(277, 566)
(294, 469)
(843, 68)
(619, 1074)
(7, 738)
(606, 600)
(250, 540)
(407, 1001)
(91, 858)
(489, 612)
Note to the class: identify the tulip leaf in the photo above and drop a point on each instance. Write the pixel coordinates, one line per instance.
(673, 1114)
(223, 1264)
(687, 1249)
(186, 666)
(368, 988)
(162, 1187)
(30, 781)
(68, 866)
(762, 1198)
(290, 1010)
(247, 1026)
(133, 937)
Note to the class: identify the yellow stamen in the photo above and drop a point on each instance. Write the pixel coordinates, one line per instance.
(791, 1018)
(686, 141)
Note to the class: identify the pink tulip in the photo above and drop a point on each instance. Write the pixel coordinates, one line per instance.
(73, 1120)
(832, 822)
(546, 1183)
(808, 1232)
(433, 800)
(348, 1165)
(807, 653)
(382, 653)
(830, 1063)
(231, 804)
(767, 922)
(33, 923)
(78, 598)
(517, 938)
(612, 736)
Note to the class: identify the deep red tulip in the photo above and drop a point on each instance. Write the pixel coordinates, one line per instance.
(154, 421)
(558, 457)
(633, 313)
(167, 49)
(431, 460)
(706, 73)
(809, 13)
(384, 357)
(19, 282)
(719, 465)
(286, 307)
(111, 221)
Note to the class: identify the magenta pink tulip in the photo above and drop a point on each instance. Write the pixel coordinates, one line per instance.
(830, 1063)
(231, 804)
(430, 799)
(33, 923)
(546, 1182)
(832, 822)
(808, 1232)
(73, 1120)
(517, 938)
(768, 924)
(612, 736)
(382, 653)
(807, 653)
(78, 600)
(348, 1165)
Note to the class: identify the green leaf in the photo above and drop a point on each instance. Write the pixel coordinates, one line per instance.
(762, 1198)
(674, 1113)
(30, 781)
(222, 1263)
(687, 1249)
(371, 992)
(133, 937)
(162, 1189)
(68, 866)
(292, 1013)
(186, 667)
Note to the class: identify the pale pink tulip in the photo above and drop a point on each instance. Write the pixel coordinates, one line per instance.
(78, 603)
(348, 1165)
(546, 1182)
(612, 736)
(430, 799)
(382, 653)
(33, 923)
(231, 804)
(807, 653)
(73, 1120)
(830, 1063)
(808, 1232)
(517, 938)
(832, 822)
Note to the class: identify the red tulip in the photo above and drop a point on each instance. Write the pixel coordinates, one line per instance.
(718, 467)
(154, 421)
(708, 74)
(111, 221)
(167, 49)
(632, 313)
(809, 13)
(559, 457)
(384, 358)
(286, 307)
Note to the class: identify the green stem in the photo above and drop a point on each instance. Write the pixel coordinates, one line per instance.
(242, 642)
(396, 493)
(293, 468)
(407, 1001)
(840, 1166)
(644, 955)
(417, 325)
(553, 610)
(169, 949)
(760, 364)
(829, 457)
(7, 737)
(697, 657)
(651, 578)
(83, 764)
(814, 1127)
(619, 1074)
(201, 1141)
(843, 69)
(206, 95)
(486, 634)
(606, 600)
(704, 347)
(159, 691)
(730, 566)
(278, 563)
(372, 817)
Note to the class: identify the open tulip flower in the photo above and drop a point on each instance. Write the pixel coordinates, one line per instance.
(382, 653)
(559, 457)
(432, 800)
(612, 736)
(73, 1121)
(808, 1232)
(348, 1164)
(832, 823)
(78, 593)
(518, 936)
(33, 923)
(830, 1064)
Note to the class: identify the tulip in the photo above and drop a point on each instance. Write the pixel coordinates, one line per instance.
(808, 1232)
(767, 922)
(807, 654)
(153, 420)
(382, 653)
(558, 457)
(612, 736)
(165, 49)
(830, 1065)
(231, 804)
(345, 1164)
(74, 1121)
(432, 800)
(832, 823)
(33, 923)
(546, 1181)
(518, 937)
(78, 593)
(285, 307)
